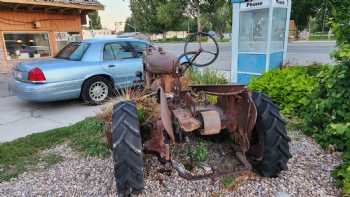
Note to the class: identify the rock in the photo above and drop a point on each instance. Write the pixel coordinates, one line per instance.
(281, 194)
(308, 175)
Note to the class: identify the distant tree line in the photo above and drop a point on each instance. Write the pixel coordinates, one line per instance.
(94, 21)
(160, 16)
(314, 15)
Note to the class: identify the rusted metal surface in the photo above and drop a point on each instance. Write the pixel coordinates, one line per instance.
(240, 117)
(211, 121)
(186, 120)
(167, 83)
(190, 103)
(158, 61)
(108, 132)
(234, 110)
(166, 115)
(212, 175)
(218, 88)
(156, 143)
(239, 110)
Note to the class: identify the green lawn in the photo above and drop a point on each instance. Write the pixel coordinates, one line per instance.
(23, 154)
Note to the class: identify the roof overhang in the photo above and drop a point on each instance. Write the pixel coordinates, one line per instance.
(51, 6)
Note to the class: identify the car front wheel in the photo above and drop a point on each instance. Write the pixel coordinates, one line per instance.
(96, 90)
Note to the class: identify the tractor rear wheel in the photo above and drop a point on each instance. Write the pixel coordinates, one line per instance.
(127, 149)
(270, 131)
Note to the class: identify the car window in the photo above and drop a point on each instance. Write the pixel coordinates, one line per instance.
(139, 47)
(108, 53)
(119, 50)
(73, 51)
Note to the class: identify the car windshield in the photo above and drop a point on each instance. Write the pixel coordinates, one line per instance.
(73, 51)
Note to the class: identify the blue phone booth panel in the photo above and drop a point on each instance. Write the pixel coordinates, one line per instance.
(244, 79)
(253, 63)
(276, 60)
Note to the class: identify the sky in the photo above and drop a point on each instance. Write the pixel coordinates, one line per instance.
(115, 11)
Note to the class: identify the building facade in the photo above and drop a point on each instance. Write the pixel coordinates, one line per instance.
(31, 29)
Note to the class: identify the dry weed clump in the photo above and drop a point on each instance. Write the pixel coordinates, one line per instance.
(144, 102)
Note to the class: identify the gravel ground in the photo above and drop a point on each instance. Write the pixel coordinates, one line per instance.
(308, 175)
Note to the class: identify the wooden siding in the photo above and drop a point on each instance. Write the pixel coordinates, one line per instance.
(24, 21)
(60, 4)
(3, 63)
(11, 21)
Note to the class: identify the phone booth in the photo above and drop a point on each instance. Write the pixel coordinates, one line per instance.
(259, 37)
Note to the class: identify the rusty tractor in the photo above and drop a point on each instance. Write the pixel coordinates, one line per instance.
(251, 118)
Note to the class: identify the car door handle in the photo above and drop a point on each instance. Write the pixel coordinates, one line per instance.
(111, 66)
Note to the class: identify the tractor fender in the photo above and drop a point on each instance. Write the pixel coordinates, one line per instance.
(165, 114)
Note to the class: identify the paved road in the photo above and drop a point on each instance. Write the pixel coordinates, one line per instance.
(302, 53)
(19, 118)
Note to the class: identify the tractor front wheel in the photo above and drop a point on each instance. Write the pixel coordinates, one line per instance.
(271, 134)
(127, 149)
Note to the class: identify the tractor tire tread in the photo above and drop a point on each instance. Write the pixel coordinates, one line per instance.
(127, 149)
(272, 127)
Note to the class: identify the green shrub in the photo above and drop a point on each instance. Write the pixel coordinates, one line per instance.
(228, 182)
(342, 173)
(329, 105)
(142, 113)
(200, 152)
(327, 116)
(288, 87)
(321, 36)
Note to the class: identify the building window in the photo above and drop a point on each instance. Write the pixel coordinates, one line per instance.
(26, 45)
(64, 38)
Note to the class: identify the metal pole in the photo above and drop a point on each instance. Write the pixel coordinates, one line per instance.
(188, 26)
(235, 40)
(287, 31)
(269, 38)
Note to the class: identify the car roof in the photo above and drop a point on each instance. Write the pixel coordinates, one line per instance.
(106, 40)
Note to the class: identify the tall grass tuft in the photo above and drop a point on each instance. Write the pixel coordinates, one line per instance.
(206, 77)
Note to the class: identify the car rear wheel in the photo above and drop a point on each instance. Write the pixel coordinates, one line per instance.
(96, 90)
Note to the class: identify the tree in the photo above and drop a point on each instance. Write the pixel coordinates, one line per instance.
(159, 16)
(95, 21)
(188, 24)
(341, 27)
(323, 15)
(211, 14)
(129, 25)
(302, 10)
(218, 14)
(194, 10)
(170, 14)
(144, 17)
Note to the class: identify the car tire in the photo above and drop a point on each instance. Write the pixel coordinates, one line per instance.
(96, 90)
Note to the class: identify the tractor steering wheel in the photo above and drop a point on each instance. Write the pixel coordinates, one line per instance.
(192, 55)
